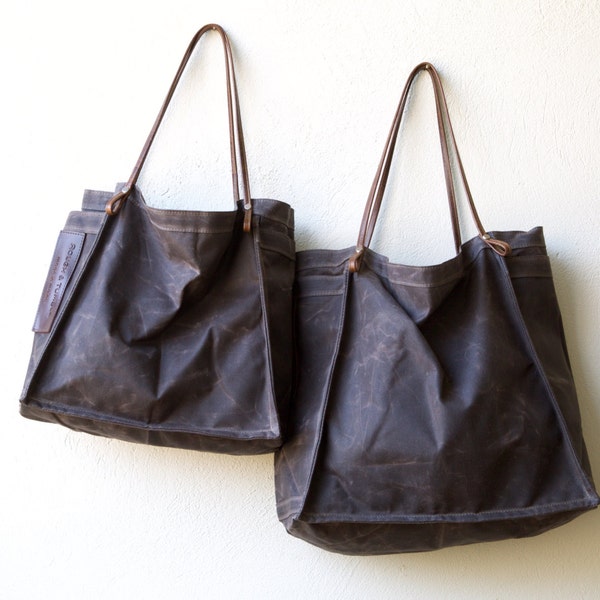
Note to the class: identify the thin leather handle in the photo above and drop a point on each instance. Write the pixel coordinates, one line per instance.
(236, 135)
(383, 170)
(500, 247)
(378, 187)
(446, 134)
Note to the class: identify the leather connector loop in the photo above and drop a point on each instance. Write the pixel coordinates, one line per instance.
(498, 246)
(355, 260)
(114, 205)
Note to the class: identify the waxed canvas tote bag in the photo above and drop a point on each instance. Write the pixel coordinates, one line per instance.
(169, 327)
(434, 406)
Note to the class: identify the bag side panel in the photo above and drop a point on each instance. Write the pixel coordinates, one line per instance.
(276, 252)
(319, 297)
(534, 289)
(88, 222)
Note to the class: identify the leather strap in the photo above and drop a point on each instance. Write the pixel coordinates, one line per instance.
(447, 141)
(236, 135)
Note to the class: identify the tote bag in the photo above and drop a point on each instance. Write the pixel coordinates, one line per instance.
(169, 327)
(434, 406)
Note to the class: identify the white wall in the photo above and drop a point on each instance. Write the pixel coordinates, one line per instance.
(85, 517)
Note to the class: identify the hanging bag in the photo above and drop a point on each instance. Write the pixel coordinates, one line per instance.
(169, 327)
(435, 406)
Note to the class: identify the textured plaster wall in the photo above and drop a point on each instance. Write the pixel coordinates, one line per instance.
(84, 517)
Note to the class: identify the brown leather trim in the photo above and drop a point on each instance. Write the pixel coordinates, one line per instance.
(66, 254)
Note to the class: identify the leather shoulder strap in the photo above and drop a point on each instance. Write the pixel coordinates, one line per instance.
(236, 135)
(447, 143)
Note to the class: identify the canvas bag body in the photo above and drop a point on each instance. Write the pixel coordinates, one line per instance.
(434, 406)
(169, 327)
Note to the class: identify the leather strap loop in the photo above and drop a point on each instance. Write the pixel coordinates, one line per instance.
(447, 141)
(498, 246)
(236, 135)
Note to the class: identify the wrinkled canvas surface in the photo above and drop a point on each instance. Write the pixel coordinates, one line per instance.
(434, 406)
(175, 328)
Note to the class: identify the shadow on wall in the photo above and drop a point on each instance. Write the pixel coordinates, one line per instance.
(508, 568)
(569, 279)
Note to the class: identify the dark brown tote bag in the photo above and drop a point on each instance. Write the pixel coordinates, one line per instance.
(169, 327)
(435, 406)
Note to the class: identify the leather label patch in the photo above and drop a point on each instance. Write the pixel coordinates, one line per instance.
(66, 254)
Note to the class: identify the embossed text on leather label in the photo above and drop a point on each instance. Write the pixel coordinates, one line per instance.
(66, 254)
